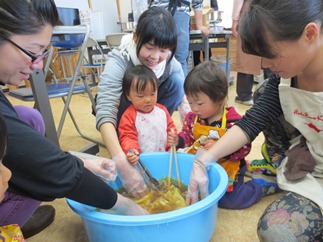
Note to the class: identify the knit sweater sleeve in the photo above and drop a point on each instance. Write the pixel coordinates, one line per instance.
(264, 112)
(110, 88)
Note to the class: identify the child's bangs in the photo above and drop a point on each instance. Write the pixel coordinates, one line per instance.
(141, 83)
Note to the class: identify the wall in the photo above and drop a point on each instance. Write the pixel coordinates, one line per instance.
(109, 11)
(105, 13)
(224, 5)
(125, 7)
(80, 4)
(104, 16)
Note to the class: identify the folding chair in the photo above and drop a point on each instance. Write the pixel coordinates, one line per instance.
(114, 40)
(69, 37)
(98, 61)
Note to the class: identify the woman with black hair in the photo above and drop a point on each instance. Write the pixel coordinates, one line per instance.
(152, 44)
(288, 36)
(41, 171)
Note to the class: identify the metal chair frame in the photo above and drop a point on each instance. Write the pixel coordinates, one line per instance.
(64, 90)
(114, 40)
(98, 63)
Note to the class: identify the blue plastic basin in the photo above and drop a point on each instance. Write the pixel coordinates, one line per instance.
(190, 224)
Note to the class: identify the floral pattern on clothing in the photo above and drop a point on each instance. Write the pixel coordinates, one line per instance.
(291, 218)
(187, 129)
(232, 116)
(277, 135)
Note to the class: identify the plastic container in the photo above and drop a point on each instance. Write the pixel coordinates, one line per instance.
(221, 61)
(190, 224)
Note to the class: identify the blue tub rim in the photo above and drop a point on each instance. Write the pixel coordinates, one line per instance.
(89, 213)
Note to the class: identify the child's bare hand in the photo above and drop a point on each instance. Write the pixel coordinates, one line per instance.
(172, 139)
(132, 156)
(208, 144)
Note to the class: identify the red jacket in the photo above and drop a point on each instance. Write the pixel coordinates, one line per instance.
(128, 132)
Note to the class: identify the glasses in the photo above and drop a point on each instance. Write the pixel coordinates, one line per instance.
(34, 58)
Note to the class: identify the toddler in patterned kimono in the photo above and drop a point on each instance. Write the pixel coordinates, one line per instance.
(206, 89)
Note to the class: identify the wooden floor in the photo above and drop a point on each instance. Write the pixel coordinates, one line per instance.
(232, 225)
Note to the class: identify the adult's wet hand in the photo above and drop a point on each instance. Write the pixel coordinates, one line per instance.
(199, 184)
(125, 206)
(199, 180)
(103, 167)
(130, 177)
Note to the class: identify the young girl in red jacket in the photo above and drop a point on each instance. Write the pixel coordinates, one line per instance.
(144, 125)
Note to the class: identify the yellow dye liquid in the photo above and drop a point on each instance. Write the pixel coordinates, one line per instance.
(163, 199)
(159, 199)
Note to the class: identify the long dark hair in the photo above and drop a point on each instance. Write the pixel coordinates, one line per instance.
(276, 20)
(156, 25)
(25, 17)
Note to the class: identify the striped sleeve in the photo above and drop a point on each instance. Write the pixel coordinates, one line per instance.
(264, 112)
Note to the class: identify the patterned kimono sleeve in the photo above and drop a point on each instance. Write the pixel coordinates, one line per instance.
(187, 130)
(241, 153)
